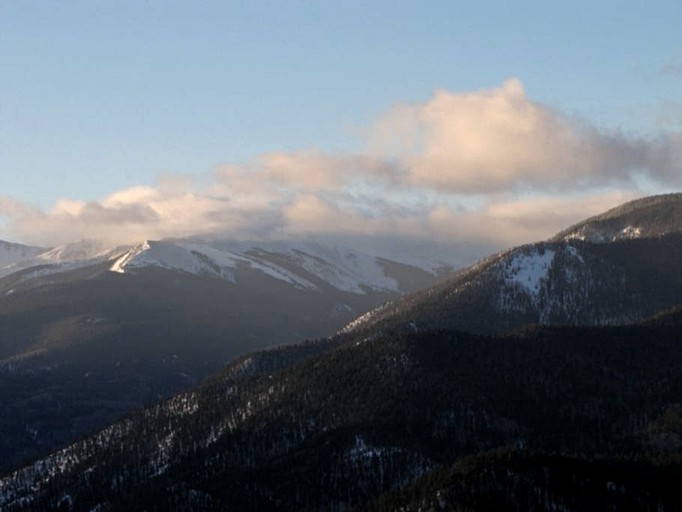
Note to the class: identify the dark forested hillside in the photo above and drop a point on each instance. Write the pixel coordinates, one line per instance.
(338, 426)
(506, 480)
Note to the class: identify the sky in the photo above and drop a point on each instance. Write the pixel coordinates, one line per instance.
(477, 125)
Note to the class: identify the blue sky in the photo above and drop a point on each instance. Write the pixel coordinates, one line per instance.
(98, 98)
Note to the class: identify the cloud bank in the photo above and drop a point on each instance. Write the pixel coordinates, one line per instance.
(487, 166)
(499, 140)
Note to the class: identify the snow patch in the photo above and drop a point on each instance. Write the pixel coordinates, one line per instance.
(631, 232)
(528, 269)
(183, 405)
(366, 318)
(120, 263)
(361, 452)
(574, 253)
(603, 235)
(342, 268)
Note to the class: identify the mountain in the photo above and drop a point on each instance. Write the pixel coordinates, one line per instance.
(564, 281)
(35, 261)
(255, 295)
(90, 332)
(338, 423)
(546, 376)
(307, 266)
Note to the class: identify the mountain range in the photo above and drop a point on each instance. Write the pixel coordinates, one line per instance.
(90, 332)
(545, 377)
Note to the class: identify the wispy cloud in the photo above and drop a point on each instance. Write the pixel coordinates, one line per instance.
(489, 166)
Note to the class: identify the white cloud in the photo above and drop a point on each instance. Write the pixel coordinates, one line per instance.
(13, 208)
(500, 140)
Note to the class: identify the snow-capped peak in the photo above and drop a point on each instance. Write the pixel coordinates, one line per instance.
(64, 257)
(82, 250)
(302, 265)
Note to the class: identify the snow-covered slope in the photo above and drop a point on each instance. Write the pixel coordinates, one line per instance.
(58, 259)
(302, 265)
(85, 250)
